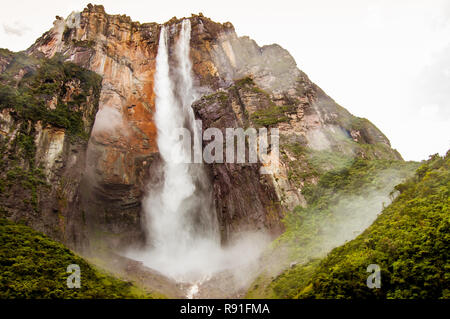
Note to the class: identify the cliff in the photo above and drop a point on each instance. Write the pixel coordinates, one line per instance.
(47, 109)
(240, 84)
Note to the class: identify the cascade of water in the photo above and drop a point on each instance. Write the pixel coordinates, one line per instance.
(184, 73)
(181, 222)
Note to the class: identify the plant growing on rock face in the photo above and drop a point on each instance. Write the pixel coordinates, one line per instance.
(5, 53)
(268, 116)
(272, 115)
(248, 83)
(27, 100)
(244, 81)
(84, 43)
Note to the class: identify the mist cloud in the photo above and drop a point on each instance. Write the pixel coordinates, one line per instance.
(107, 120)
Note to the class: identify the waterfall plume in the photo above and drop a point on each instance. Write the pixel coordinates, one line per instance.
(180, 217)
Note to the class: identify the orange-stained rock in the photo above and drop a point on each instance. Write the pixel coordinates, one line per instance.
(123, 53)
(122, 147)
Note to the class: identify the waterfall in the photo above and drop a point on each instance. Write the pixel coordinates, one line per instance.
(184, 73)
(180, 218)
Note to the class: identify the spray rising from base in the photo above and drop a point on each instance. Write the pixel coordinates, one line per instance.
(236, 263)
(180, 218)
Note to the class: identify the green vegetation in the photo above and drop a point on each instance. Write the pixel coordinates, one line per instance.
(221, 97)
(272, 115)
(300, 169)
(339, 194)
(5, 53)
(324, 161)
(378, 150)
(30, 180)
(17, 61)
(34, 266)
(244, 82)
(28, 87)
(309, 164)
(337, 205)
(361, 177)
(84, 43)
(409, 240)
(359, 123)
(248, 83)
(45, 80)
(18, 170)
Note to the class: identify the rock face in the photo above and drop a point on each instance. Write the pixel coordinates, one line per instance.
(47, 112)
(123, 144)
(241, 85)
(245, 199)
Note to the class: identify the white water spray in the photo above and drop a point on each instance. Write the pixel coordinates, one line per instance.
(179, 217)
(183, 232)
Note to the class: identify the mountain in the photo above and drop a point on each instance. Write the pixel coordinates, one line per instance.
(79, 137)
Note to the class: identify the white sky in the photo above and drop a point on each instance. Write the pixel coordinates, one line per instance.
(388, 61)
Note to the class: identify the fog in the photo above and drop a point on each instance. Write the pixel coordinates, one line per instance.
(349, 215)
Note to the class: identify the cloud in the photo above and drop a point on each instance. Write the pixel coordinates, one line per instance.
(15, 29)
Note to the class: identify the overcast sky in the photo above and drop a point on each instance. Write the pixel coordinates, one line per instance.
(388, 61)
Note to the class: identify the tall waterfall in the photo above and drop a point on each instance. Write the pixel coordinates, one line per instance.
(180, 218)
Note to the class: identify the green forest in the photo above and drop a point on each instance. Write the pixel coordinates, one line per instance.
(409, 241)
(34, 266)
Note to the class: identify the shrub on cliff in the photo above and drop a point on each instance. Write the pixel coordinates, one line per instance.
(44, 80)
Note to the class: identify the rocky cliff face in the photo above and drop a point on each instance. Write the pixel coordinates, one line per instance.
(123, 144)
(241, 85)
(47, 112)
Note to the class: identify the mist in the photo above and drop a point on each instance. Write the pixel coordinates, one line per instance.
(107, 119)
(349, 215)
(352, 214)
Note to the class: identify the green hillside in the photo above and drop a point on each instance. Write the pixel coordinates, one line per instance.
(409, 241)
(34, 266)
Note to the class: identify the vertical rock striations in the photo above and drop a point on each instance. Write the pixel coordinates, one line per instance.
(47, 112)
